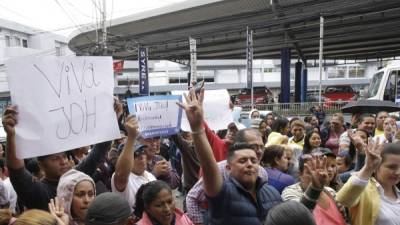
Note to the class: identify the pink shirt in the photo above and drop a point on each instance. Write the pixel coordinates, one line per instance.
(329, 216)
(333, 142)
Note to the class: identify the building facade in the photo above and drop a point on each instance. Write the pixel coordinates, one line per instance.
(17, 40)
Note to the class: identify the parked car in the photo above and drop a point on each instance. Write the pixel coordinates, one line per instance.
(261, 95)
(338, 95)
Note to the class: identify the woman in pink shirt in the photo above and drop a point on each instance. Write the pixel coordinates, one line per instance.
(319, 197)
(155, 205)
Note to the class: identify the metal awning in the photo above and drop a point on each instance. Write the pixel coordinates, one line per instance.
(354, 29)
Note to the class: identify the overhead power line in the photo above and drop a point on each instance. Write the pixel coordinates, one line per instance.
(70, 18)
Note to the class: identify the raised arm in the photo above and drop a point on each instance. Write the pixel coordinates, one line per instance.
(316, 170)
(9, 122)
(194, 112)
(349, 194)
(125, 160)
(29, 190)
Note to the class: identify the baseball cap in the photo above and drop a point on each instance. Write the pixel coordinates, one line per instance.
(139, 149)
(323, 151)
(107, 209)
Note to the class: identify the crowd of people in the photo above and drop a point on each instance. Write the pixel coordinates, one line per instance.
(317, 170)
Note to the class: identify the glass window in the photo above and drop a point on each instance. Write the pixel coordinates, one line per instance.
(8, 43)
(390, 90)
(336, 72)
(24, 43)
(375, 83)
(356, 71)
(17, 41)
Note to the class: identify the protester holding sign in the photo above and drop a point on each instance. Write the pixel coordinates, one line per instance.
(37, 193)
(130, 170)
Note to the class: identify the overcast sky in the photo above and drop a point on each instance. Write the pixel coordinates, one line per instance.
(58, 15)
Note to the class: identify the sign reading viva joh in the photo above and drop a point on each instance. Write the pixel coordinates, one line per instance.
(157, 115)
(63, 103)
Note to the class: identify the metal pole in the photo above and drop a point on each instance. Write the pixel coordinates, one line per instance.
(249, 67)
(104, 38)
(321, 45)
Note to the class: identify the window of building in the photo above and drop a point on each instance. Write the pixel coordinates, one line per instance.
(128, 82)
(268, 70)
(178, 81)
(8, 42)
(24, 43)
(337, 72)
(17, 41)
(206, 79)
(58, 51)
(356, 71)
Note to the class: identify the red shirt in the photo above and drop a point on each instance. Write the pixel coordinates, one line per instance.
(218, 145)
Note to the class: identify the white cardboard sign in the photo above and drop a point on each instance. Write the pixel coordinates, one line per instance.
(63, 103)
(217, 113)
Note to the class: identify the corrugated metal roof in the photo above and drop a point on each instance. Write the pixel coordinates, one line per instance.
(353, 29)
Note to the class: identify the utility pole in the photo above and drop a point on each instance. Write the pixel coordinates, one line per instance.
(321, 46)
(104, 27)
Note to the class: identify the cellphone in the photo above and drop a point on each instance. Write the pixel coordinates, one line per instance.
(198, 86)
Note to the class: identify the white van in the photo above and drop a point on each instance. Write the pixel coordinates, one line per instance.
(385, 84)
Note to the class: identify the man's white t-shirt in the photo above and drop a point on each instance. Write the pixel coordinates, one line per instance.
(134, 183)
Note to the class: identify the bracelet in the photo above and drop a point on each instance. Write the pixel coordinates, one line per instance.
(198, 131)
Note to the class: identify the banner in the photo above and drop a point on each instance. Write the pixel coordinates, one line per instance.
(157, 115)
(143, 72)
(193, 60)
(63, 103)
(217, 113)
(249, 58)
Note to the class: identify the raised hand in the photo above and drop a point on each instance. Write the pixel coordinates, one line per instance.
(10, 120)
(132, 127)
(316, 170)
(373, 155)
(161, 168)
(118, 108)
(193, 108)
(56, 208)
(356, 140)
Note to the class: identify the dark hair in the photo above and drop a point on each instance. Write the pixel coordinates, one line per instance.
(307, 119)
(307, 147)
(147, 193)
(222, 133)
(237, 146)
(390, 149)
(303, 159)
(288, 213)
(270, 114)
(2, 164)
(279, 124)
(348, 160)
(32, 165)
(363, 116)
(271, 153)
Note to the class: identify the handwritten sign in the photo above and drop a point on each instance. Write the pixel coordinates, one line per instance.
(157, 115)
(63, 103)
(217, 113)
